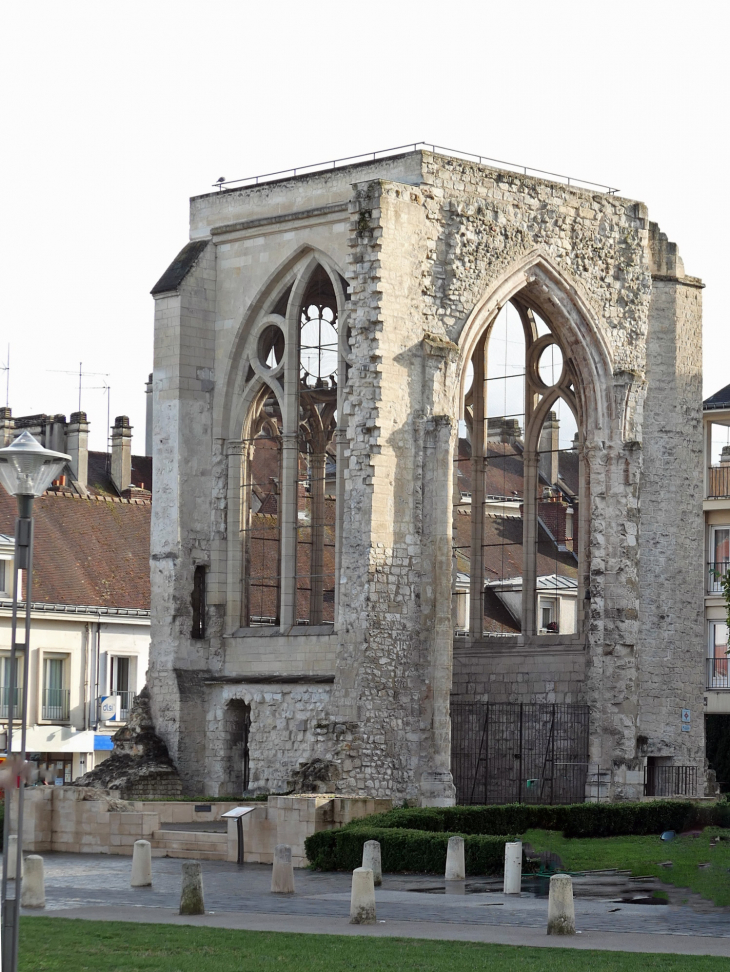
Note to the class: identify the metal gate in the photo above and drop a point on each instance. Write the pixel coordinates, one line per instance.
(519, 753)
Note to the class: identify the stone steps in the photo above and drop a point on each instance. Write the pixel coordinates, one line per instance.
(194, 845)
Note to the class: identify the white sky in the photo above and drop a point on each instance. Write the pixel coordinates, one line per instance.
(114, 114)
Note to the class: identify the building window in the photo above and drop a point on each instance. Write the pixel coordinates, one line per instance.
(4, 572)
(56, 697)
(289, 466)
(717, 662)
(261, 501)
(719, 563)
(121, 684)
(198, 603)
(517, 483)
(6, 681)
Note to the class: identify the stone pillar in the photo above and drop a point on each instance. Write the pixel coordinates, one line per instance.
(33, 894)
(362, 897)
(121, 453)
(282, 874)
(142, 864)
(455, 865)
(191, 896)
(371, 860)
(561, 911)
(77, 446)
(513, 867)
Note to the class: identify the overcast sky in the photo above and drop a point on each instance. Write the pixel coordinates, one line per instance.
(114, 114)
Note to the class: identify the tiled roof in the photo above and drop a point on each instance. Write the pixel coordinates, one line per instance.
(91, 551)
(99, 480)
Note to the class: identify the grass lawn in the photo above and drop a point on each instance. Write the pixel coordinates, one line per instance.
(641, 855)
(65, 945)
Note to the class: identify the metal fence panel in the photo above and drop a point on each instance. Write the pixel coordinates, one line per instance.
(519, 753)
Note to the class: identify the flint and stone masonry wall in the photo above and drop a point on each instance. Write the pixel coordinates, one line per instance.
(431, 248)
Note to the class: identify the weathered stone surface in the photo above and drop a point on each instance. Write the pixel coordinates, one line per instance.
(282, 873)
(139, 766)
(371, 860)
(141, 864)
(431, 247)
(33, 893)
(455, 863)
(561, 910)
(362, 897)
(191, 895)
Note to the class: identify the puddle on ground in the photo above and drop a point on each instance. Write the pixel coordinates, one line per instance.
(615, 887)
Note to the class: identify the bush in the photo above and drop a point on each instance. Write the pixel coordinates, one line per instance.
(403, 850)
(577, 820)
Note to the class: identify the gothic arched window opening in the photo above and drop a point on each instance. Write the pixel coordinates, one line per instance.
(517, 484)
(289, 504)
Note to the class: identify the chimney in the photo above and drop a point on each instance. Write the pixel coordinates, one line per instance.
(148, 418)
(548, 447)
(7, 425)
(725, 456)
(77, 440)
(58, 434)
(121, 453)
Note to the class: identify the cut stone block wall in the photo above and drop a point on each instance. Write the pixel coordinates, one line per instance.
(431, 247)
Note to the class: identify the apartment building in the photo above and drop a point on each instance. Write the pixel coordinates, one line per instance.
(716, 413)
(91, 595)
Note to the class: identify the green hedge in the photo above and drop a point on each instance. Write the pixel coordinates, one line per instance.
(577, 820)
(403, 850)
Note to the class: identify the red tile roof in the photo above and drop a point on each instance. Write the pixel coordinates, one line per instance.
(91, 551)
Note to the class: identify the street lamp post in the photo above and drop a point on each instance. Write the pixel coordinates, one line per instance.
(26, 471)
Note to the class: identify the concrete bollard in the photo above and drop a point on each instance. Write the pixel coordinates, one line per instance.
(142, 864)
(12, 851)
(33, 889)
(513, 867)
(282, 874)
(371, 860)
(455, 867)
(191, 897)
(362, 897)
(561, 911)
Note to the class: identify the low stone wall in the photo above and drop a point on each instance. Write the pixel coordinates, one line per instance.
(78, 820)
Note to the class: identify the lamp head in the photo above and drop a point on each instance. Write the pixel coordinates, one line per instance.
(27, 469)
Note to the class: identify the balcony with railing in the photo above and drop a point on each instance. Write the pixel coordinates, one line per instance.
(5, 701)
(56, 705)
(718, 482)
(716, 570)
(717, 673)
(125, 704)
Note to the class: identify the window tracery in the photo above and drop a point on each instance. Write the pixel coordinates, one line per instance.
(517, 484)
(289, 503)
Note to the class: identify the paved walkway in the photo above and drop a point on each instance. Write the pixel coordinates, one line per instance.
(97, 887)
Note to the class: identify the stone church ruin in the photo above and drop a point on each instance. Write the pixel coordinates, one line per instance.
(427, 520)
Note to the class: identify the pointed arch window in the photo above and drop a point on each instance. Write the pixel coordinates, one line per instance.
(289, 509)
(517, 484)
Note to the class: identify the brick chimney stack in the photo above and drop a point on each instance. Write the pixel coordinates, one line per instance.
(121, 453)
(77, 446)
